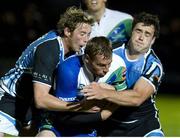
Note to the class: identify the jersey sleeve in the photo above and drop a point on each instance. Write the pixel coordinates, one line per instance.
(154, 74)
(45, 61)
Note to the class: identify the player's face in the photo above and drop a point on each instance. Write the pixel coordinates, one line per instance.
(80, 36)
(142, 38)
(95, 5)
(99, 66)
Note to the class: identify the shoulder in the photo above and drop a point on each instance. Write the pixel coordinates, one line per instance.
(48, 46)
(119, 14)
(153, 59)
(48, 53)
(73, 62)
(69, 68)
(153, 69)
(117, 64)
(73, 59)
(117, 60)
(119, 50)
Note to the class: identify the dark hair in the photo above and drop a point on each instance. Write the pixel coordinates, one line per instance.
(98, 45)
(71, 18)
(148, 19)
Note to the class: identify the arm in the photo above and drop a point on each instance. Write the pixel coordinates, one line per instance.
(135, 97)
(107, 108)
(46, 58)
(142, 90)
(44, 100)
(84, 117)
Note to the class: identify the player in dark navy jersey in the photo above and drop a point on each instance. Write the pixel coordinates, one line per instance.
(34, 71)
(137, 114)
(98, 65)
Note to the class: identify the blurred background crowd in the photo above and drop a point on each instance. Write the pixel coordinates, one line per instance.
(24, 21)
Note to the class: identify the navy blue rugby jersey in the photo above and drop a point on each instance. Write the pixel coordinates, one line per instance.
(36, 64)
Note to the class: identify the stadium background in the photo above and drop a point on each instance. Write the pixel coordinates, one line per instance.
(21, 22)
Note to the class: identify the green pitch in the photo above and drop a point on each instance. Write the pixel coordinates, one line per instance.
(169, 107)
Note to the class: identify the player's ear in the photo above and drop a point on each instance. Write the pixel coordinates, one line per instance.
(153, 40)
(86, 58)
(67, 32)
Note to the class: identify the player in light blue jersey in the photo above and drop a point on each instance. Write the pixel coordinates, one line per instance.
(113, 24)
(137, 114)
(34, 71)
(96, 65)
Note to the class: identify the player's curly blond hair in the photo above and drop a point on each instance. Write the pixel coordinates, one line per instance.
(71, 18)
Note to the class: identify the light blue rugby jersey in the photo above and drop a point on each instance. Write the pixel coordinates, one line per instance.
(147, 66)
(150, 68)
(25, 63)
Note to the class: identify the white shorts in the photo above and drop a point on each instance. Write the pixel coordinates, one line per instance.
(8, 124)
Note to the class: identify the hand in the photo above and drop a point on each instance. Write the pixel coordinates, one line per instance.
(90, 106)
(106, 86)
(94, 91)
(74, 106)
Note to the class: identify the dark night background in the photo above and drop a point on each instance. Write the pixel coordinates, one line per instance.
(24, 21)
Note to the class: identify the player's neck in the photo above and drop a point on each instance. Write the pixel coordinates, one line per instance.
(98, 14)
(65, 45)
(132, 55)
(87, 71)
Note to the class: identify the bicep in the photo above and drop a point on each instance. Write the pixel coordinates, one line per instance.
(144, 88)
(45, 62)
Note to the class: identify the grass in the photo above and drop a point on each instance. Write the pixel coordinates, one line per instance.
(169, 114)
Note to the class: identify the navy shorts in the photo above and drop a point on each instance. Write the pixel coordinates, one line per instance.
(17, 108)
(148, 126)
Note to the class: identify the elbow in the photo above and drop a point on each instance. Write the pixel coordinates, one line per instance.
(39, 104)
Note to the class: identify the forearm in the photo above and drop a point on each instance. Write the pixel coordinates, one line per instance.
(135, 97)
(44, 100)
(84, 118)
(124, 98)
(78, 118)
(51, 103)
(141, 91)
